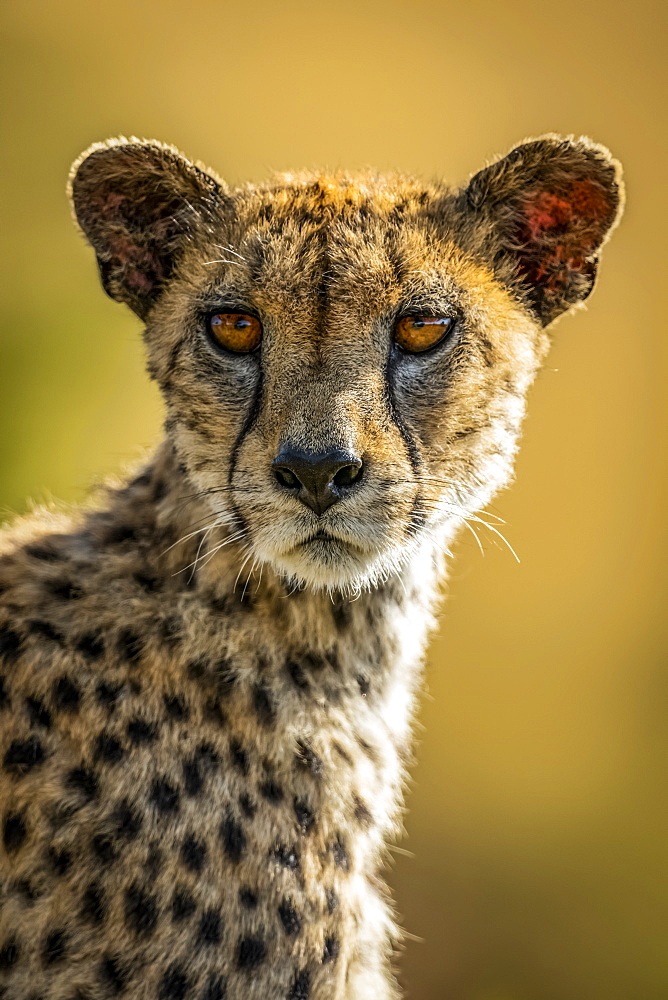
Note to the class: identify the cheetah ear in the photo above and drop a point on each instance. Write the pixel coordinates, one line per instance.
(136, 202)
(550, 204)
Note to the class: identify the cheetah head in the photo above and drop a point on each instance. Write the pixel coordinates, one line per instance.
(345, 360)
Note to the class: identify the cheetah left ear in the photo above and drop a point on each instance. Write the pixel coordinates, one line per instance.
(136, 202)
(550, 205)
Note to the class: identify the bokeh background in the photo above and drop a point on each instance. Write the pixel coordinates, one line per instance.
(538, 819)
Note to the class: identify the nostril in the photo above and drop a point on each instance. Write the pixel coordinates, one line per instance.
(348, 475)
(286, 478)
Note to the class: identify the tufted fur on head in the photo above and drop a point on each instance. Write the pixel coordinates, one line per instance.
(207, 678)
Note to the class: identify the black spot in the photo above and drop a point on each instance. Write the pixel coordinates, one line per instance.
(142, 480)
(272, 792)
(113, 974)
(215, 989)
(104, 849)
(183, 905)
(159, 490)
(362, 813)
(247, 898)
(239, 756)
(92, 904)
(54, 947)
(65, 590)
(107, 694)
(4, 696)
(234, 838)
(342, 614)
(29, 891)
(315, 663)
(9, 953)
(66, 695)
(127, 820)
(10, 643)
(90, 645)
(371, 752)
(60, 859)
(304, 814)
(164, 796)
(22, 755)
(175, 707)
(174, 983)
(301, 988)
(297, 675)
(129, 644)
(208, 754)
(141, 912)
(154, 860)
(197, 669)
(364, 685)
(192, 777)
(263, 705)
(209, 930)
(251, 952)
(119, 533)
(42, 552)
(45, 630)
(214, 712)
(288, 857)
(193, 853)
(140, 731)
(308, 758)
(226, 677)
(330, 952)
(340, 853)
(147, 582)
(341, 752)
(108, 749)
(332, 900)
(38, 713)
(82, 779)
(248, 807)
(290, 919)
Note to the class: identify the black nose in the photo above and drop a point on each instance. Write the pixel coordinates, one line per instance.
(318, 480)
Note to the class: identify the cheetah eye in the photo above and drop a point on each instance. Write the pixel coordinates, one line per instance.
(418, 334)
(236, 332)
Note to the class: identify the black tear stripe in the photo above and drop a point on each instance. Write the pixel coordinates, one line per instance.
(418, 515)
(412, 449)
(249, 423)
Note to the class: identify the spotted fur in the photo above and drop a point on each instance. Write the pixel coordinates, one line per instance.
(204, 709)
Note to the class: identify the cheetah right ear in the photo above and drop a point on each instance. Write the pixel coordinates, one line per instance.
(136, 202)
(549, 205)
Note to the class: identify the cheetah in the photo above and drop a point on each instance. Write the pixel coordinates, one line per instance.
(208, 672)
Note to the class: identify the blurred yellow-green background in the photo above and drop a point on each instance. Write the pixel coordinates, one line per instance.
(538, 819)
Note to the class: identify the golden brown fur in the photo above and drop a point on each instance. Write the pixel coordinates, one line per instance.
(204, 708)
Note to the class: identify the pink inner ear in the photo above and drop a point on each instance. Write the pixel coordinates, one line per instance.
(559, 231)
(108, 205)
(583, 203)
(140, 266)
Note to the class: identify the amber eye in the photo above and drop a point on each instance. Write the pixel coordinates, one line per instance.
(236, 332)
(420, 333)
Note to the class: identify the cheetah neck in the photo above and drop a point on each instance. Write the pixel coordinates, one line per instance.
(340, 664)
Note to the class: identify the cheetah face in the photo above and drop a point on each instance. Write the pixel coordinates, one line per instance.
(345, 361)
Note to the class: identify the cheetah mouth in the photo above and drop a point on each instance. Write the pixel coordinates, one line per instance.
(320, 536)
(327, 541)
